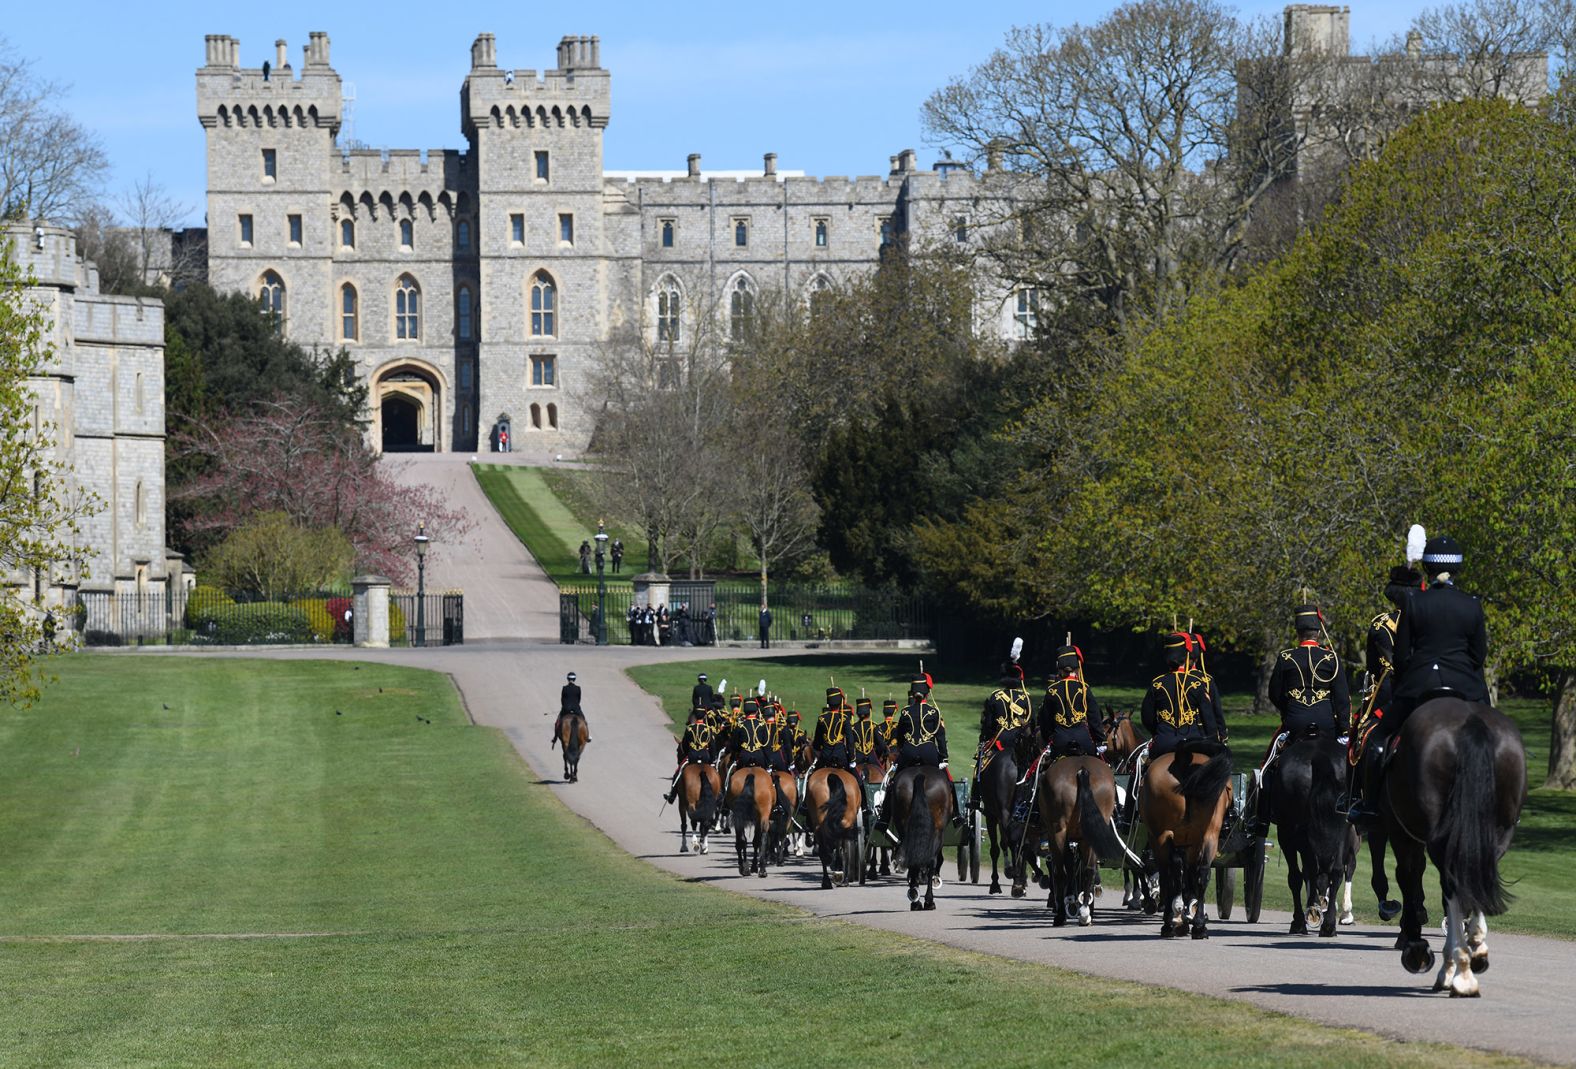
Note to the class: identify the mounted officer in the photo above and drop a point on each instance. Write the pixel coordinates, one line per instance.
(1069, 713)
(1007, 712)
(1381, 640)
(752, 739)
(1177, 706)
(1198, 665)
(701, 693)
(778, 757)
(868, 737)
(795, 736)
(1308, 687)
(889, 721)
(831, 732)
(921, 739)
(569, 702)
(1441, 644)
(695, 746)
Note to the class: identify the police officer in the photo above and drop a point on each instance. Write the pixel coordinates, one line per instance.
(1308, 685)
(869, 740)
(569, 702)
(1177, 705)
(1069, 711)
(831, 732)
(700, 693)
(1441, 644)
(1007, 711)
(696, 746)
(752, 739)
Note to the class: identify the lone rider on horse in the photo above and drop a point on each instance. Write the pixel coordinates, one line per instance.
(1069, 711)
(1179, 705)
(569, 702)
(695, 746)
(921, 739)
(1308, 687)
(1441, 644)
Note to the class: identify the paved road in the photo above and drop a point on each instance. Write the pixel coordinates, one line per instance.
(506, 595)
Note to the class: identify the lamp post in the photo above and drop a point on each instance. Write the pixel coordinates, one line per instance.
(421, 584)
(601, 584)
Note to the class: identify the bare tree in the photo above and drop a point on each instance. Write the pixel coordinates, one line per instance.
(773, 502)
(1488, 48)
(50, 167)
(151, 215)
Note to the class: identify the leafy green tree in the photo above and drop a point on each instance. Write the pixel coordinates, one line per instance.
(273, 556)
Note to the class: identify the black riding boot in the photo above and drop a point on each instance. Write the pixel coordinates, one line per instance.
(1364, 810)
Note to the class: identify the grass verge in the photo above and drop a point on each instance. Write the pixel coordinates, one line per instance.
(404, 893)
(545, 525)
(1538, 864)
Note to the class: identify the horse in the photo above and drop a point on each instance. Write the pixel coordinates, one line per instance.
(699, 788)
(784, 805)
(872, 773)
(1452, 792)
(1122, 738)
(1311, 829)
(1378, 843)
(1077, 802)
(832, 800)
(573, 737)
(922, 802)
(998, 788)
(751, 796)
(1183, 805)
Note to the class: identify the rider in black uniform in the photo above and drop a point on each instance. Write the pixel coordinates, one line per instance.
(869, 740)
(1069, 711)
(701, 693)
(831, 733)
(696, 746)
(569, 702)
(1308, 686)
(1007, 711)
(921, 739)
(1441, 643)
(752, 739)
(1177, 706)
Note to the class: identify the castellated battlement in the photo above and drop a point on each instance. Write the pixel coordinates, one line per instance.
(577, 93)
(272, 95)
(434, 169)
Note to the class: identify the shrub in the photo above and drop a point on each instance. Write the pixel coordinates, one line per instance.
(319, 616)
(273, 556)
(397, 636)
(205, 599)
(262, 623)
(343, 628)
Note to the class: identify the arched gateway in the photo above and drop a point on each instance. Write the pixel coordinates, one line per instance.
(407, 406)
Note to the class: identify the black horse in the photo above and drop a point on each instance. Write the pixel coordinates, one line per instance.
(1312, 830)
(922, 803)
(1452, 793)
(998, 786)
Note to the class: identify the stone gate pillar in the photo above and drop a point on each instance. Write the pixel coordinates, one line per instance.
(369, 610)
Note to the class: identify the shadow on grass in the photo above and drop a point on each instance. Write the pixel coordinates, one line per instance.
(1339, 990)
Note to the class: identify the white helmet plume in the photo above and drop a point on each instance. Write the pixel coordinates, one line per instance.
(722, 687)
(1017, 650)
(760, 688)
(1416, 539)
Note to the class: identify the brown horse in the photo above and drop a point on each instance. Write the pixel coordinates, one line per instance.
(784, 805)
(1452, 795)
(751, 794)
(1183, 802)
(573, 735)
(700, 787)
(878, 858)
(1077, 802)
(832, 800)
(921, 804)
(1122, 738)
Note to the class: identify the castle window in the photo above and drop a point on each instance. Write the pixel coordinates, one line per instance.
(668, 309)
(1026, 312)
(462, 235)
(741, 309)
(271, 297)
(270, 164)
(885, 223)
(348, 328)
(140, 506)
(517, 228)
(138, 392)
(667, 233)
(552, 416)
(542, 300)
(741, 232)
(820, 296)
(960, 229)
(347, 234)
(407, 234)
(566, 229)
(463, 316)
(246, 230)
(544, 370)
(543, 168)
(294, 222)
(465, 374)
(407, 309)
(536, 417)
(820, 233)
(465, 419)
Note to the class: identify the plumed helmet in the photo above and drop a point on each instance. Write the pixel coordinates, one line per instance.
(1178, 645)
(1442, 554)
(1068, 659)
(862, 707)
(1307, 618)
(1403, 578)
(920, 687)
(889, 707)
(750, 708)
(834, 696)
(701, 677)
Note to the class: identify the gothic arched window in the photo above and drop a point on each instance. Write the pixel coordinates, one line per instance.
(543, 294)
(669, 310)
(741, 308)
(407, 309)
(463, 314)
(271, 296)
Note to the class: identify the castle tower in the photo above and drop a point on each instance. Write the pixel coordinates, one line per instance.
(271, 136)
(537, 147)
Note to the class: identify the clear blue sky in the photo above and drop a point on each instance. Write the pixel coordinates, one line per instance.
(832, 88)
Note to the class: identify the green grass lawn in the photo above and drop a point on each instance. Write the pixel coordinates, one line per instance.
(405, 894)
(545, 524)
(1539, 862)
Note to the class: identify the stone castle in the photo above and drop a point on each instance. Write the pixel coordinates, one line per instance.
(481, 283)
(100, 402)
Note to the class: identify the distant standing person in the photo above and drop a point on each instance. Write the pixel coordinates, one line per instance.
(766, 628)
(618, 555)
(585, 558)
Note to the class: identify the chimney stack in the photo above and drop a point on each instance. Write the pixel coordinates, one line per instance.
(281, 54)
(771, 165)
(694, 164)
(484, 52)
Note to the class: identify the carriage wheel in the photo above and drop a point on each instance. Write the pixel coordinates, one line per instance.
(1253, 882)
(861, 862)
(974, 852)
(1225, 892)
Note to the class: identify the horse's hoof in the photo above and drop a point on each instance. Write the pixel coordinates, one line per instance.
(914, 907)
(826, 884)
(1044, 882)
(1480, 962)
(1200, 932)
(1327, 932)
(744, 870)
(1167, 932)
(1019, 892)
(1348, 918)
(1416, 957)
(913, 894)
(930, 904)
(1085, 918)
(995, 889)
(1389, 909)
(1299, 927)
(1059, 922)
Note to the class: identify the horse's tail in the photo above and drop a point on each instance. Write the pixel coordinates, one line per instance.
(1327, 831)
(1202, 784)
(1466, 843)
(572, 744)
(1094, 829)
(780, 812)
(744, 804)
(919, 836)
(830, 829)
(706, 806)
